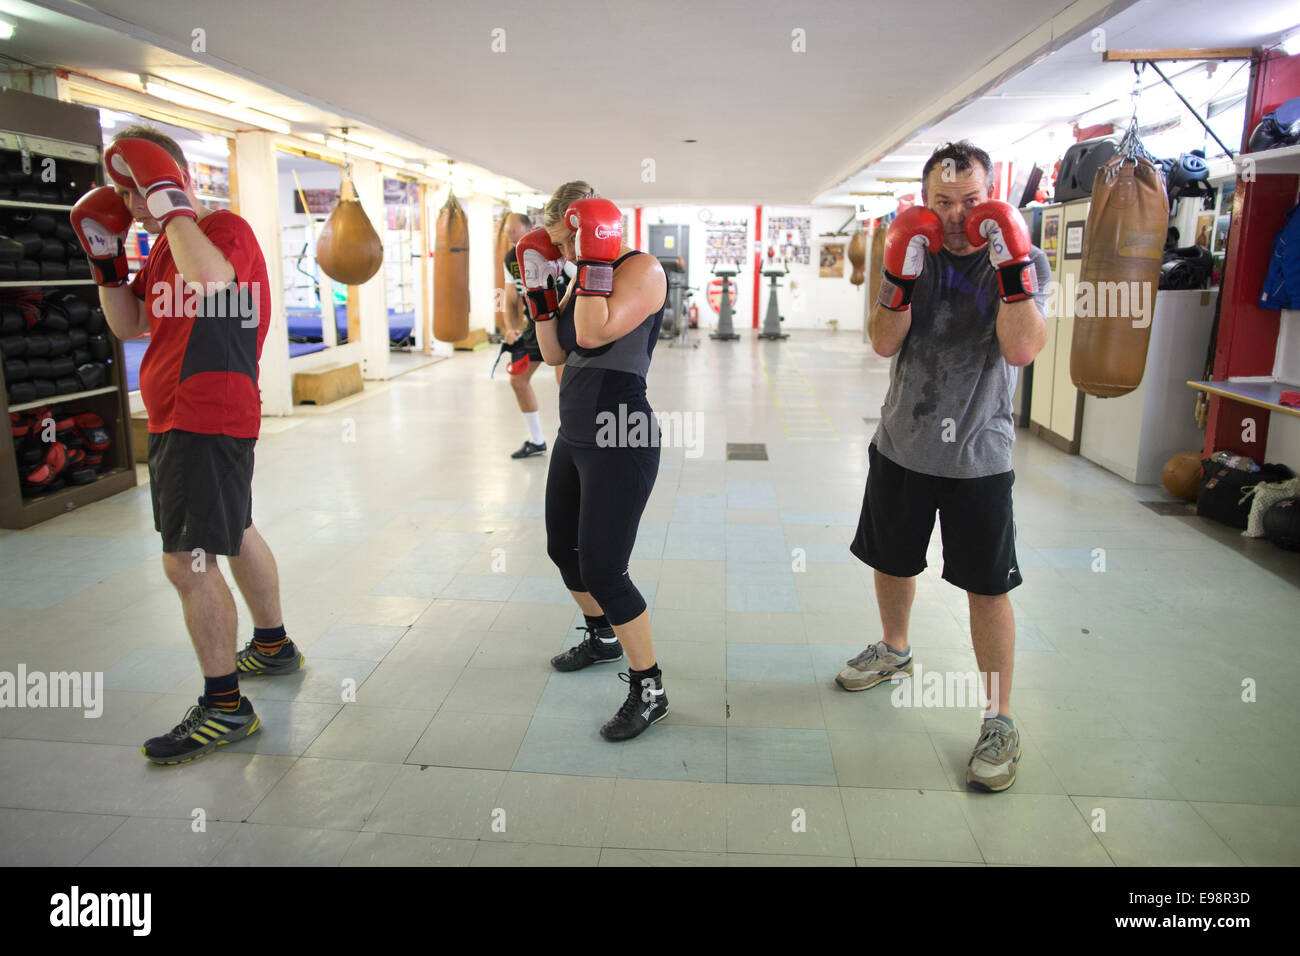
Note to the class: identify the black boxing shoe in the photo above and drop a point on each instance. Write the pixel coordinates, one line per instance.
(646, 704)
(528, 450)
(599, 647)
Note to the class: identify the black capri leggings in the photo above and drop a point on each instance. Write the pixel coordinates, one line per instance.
(594, 500)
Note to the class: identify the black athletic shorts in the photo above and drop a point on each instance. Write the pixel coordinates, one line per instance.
(528, 337)
(975, 520)
(202, 488)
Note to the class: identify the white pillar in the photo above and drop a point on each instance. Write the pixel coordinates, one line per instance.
(372, 296)
(259, 204)
(481, 241)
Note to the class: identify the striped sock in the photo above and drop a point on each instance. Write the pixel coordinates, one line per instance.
(269, 640)
(222, 693)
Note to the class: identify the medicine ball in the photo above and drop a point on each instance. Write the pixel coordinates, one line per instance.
(1182, 475)
(1282, 523)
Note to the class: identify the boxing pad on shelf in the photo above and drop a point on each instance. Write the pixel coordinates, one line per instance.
(92, 375)
(11, 250)
(78, 269)
(21, 392)
(52, 250)
(91, 428)
(98, 346)
(451, 273)
(38, 343)
(12, 346)
(16, 370)
(51, 271)
(8, 271)
(30, 243)
(858, 257)
(27, 271)
(62, 367)
(60, 343)
(11, 321)
(44, 387)
(39, 368)
(78, 338)
(1123, 246)
(67, 385)
(81, 356)
(348, 249)
(95, 321)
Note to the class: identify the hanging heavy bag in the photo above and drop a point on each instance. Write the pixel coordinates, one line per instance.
(858, 257)
(451, 273)
(1123, 244)
(348, 249)
(877, 262)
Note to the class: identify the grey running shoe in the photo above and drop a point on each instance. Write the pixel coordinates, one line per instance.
(993, 762)
(877, 664)
(252, 661)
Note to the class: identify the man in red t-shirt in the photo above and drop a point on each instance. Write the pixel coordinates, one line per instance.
(203, 297)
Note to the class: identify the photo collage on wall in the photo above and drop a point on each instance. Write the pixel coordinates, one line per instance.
(726, 241)
(787, 236)
(402, 204)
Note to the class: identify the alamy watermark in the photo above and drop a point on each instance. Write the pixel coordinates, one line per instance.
(639, 429)
(56, 689)
(958, 689)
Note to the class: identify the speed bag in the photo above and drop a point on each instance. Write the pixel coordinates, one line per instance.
(451, 274)
(348, 249)
(858, 257)
(1123, 245)
(877, 262)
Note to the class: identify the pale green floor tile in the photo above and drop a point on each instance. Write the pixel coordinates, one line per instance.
(1154, 833)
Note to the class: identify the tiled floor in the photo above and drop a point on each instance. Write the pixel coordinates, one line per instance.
(412, 555)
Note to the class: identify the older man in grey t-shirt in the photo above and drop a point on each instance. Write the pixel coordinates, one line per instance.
(961, 308)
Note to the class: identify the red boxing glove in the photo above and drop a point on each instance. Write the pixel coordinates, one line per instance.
(599, 226)
(145, 166)
(1001, 225)
(541, 263)
(101, 221)
(913, 231)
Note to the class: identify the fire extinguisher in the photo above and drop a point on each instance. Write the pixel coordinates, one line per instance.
(695, 316)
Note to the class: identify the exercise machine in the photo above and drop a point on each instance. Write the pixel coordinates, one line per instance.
(773, 319)
(726, 272)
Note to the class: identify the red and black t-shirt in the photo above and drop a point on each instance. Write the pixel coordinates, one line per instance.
(199, 373)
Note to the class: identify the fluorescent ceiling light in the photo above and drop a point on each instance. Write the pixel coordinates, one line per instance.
(196, 99)
(7, 28)
(1292, 43)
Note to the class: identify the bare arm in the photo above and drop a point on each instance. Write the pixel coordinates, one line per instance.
(639, 292)
(199, 262)
(1022, 331)
(124, 313)
(887, 329)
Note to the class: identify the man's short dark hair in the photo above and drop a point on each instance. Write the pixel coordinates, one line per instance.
(155, 136)
(964, 155)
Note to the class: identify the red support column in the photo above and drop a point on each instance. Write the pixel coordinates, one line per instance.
(758, 258)
(1247, 336)
(636, 241)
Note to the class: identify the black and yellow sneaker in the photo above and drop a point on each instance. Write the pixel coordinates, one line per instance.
(251, 661)
(203, 730)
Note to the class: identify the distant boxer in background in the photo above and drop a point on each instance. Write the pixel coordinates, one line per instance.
(205, 300)
(603, 333)
(521, 334)
(961, 306)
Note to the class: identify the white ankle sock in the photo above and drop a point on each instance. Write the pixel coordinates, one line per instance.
(534, 420)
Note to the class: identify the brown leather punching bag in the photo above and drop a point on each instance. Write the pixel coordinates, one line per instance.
(348, 249)
(858, 257)
(1123, 243)
(877, 263)
(451, 273)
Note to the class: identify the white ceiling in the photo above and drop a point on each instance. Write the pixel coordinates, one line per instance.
(584, 89)
(594, 89)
